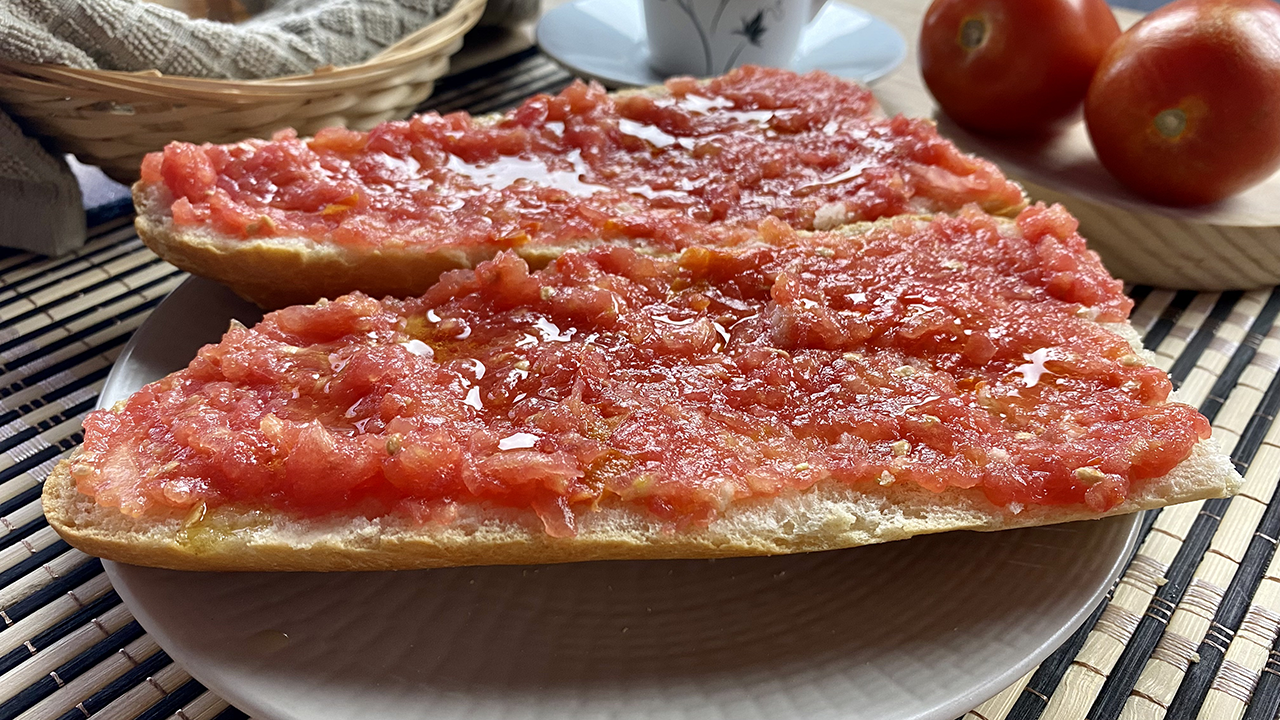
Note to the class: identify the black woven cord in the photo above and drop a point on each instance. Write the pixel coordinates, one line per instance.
(35, 377)
(24, 263)
(1139, 293)
(1031, 703)
(503, 97)
(31, 463)
(81, 334)
(75, 412)
(119, 686)
(486, 74)
(1044, 682)
(101, 650)
(47, 685)
(27, 496)
(104, 226)
(1119, 684)
(1265, 701)
(1241, 358)
(36, 560)
(1161, 327)
(528, 71)
(534, 73)
(1235, 603)
(1188, 358)
(54, 395)
(1226, 621)
(51, 276)
(553, 84)
(22, 531)
(1115, 691)
(548, 81)
(52, 421)
(46, 329)
(42, 309)
(1148, 520)
(63, 269)
(21, 654)
(74, 578)
(173, 702)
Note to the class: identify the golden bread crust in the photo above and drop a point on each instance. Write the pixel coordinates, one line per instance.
(828, 516)
(278, 272)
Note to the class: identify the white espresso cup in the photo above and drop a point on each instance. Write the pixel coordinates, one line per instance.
(710, 37)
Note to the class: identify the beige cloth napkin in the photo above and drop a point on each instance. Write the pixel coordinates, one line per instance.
(40, 208)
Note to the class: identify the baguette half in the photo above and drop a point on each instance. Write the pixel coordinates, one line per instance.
(278, 271)
(828, 515)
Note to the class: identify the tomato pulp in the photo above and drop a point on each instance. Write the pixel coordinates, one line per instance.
(810, 149)
(960, 353)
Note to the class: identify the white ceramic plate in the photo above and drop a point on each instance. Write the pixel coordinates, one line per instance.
(923, 629)
(605, 40)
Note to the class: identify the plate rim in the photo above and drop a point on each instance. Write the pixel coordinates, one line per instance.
(118, 574)
(1119, 564)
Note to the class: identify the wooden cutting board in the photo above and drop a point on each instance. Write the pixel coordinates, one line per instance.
(1234, 244)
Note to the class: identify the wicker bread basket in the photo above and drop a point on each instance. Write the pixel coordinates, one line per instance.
(112, 119)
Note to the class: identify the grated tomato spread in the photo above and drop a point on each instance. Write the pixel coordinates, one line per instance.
(659, 170)
(960, 352)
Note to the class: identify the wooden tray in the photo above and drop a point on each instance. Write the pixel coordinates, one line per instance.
(1234, 245)
(1230, 245)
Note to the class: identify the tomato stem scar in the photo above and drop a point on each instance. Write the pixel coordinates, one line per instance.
(1170, 123)
(973, 33)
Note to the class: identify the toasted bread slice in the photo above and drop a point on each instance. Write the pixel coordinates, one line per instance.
(828, 514)
(825, 517)
(280, 271)
(303, 260)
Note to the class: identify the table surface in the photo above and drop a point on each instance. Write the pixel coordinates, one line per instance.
(1189, 631)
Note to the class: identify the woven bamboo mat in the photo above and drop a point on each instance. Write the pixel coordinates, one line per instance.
(1190, 630)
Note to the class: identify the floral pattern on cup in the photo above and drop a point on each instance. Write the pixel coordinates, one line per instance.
(771, 27)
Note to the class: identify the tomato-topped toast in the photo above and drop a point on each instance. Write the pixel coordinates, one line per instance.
(385, 212)
(796, 391)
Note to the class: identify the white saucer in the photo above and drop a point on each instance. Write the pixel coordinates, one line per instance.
(605, 40)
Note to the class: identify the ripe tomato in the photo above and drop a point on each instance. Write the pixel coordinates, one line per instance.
(1185, 107)
(1013, 67)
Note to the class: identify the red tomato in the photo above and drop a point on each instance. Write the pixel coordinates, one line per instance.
(1185, 107)
(1013, 67)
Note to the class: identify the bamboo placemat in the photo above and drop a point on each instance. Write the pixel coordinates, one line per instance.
(1190, 630)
